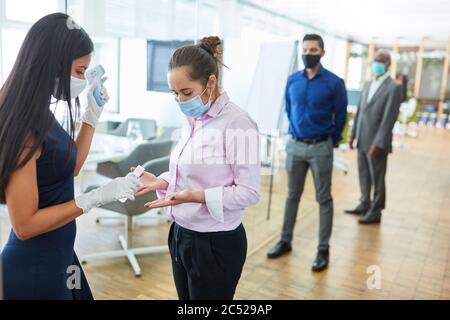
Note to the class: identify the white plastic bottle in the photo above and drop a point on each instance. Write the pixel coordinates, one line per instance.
(137, 172)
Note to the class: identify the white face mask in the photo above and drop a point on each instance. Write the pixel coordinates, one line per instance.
(76, 87)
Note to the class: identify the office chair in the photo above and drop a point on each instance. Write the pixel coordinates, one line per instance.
(141, 154)
(147, 127)
(168, 133)
(131, 209)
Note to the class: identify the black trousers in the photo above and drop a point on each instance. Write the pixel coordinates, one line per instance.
(207, 265)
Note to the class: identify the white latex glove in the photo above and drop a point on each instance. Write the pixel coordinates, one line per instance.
(93, 110)
(119, 188)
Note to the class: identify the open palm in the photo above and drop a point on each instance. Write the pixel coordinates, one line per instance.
(170, 200)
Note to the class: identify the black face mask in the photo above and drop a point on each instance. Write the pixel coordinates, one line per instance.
(311, 60)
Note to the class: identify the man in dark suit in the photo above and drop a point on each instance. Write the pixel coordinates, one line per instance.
(377, 113)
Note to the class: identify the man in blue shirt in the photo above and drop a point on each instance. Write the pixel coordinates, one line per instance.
(316, 106)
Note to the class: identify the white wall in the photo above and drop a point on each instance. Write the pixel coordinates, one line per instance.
(335, 54)
(135, 100)
(241, 58)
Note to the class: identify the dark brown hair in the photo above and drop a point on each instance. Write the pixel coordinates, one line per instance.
(203, 59)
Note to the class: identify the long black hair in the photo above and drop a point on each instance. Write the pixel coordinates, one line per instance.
(44, 60)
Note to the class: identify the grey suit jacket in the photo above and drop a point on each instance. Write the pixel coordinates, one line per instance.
(375, 119)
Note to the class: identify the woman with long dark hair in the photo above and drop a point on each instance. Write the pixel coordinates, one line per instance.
(39, 159)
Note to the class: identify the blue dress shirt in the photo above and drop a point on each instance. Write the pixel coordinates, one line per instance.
(316, 107)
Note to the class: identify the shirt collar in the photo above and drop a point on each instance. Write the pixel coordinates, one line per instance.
(382, 78)
(320, 72)
(218, 105)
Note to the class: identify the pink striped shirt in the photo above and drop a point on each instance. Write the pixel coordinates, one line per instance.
(218, 153)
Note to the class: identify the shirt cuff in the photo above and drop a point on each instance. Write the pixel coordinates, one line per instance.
(161, 194)
(165, 176)
(214, 203)
(337, 138)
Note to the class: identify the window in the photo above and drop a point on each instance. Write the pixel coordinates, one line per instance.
(29, 11)
(11, 42)
(357, 66)
(106, 53)
(430, 83)
(17, 18)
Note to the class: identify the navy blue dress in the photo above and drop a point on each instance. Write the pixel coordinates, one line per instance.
(46, 266)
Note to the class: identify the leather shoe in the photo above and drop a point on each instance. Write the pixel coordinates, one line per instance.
(321, 261)
(370, 218)
(360, 209)
(281, 248)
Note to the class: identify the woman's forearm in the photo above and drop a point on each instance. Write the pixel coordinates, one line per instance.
(46, 220)
(83, 142)
(197, 196)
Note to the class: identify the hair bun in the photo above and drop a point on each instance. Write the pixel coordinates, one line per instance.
(212, 45)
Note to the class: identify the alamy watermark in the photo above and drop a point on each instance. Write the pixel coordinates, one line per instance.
(374, 280)
(71, 24)
(74, 278)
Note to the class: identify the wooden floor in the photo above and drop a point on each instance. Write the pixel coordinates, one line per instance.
(411, 246)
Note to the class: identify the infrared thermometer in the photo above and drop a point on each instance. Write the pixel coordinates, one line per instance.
(137, 172)
(93, 74)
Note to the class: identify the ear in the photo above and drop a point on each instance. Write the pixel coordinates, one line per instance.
(212, 81)
(323, 53)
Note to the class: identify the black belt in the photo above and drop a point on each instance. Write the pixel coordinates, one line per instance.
(311, 140)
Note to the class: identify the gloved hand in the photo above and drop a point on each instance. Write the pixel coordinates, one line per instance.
(119, 188)
(94, 110)
(100, 93)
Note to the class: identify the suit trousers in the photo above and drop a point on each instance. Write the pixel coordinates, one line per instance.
(319, 158)
(372, 173)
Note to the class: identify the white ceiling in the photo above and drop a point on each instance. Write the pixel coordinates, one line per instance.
(386, 20)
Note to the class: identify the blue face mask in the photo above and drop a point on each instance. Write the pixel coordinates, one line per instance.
(378, 68)
(194, 107)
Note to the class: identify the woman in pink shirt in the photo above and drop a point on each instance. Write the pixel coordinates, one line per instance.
(214, 175)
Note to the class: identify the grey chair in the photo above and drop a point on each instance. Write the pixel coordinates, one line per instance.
(132, 209)
(168, 133)
(148, 128)
(141, 154)
(106, 126)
